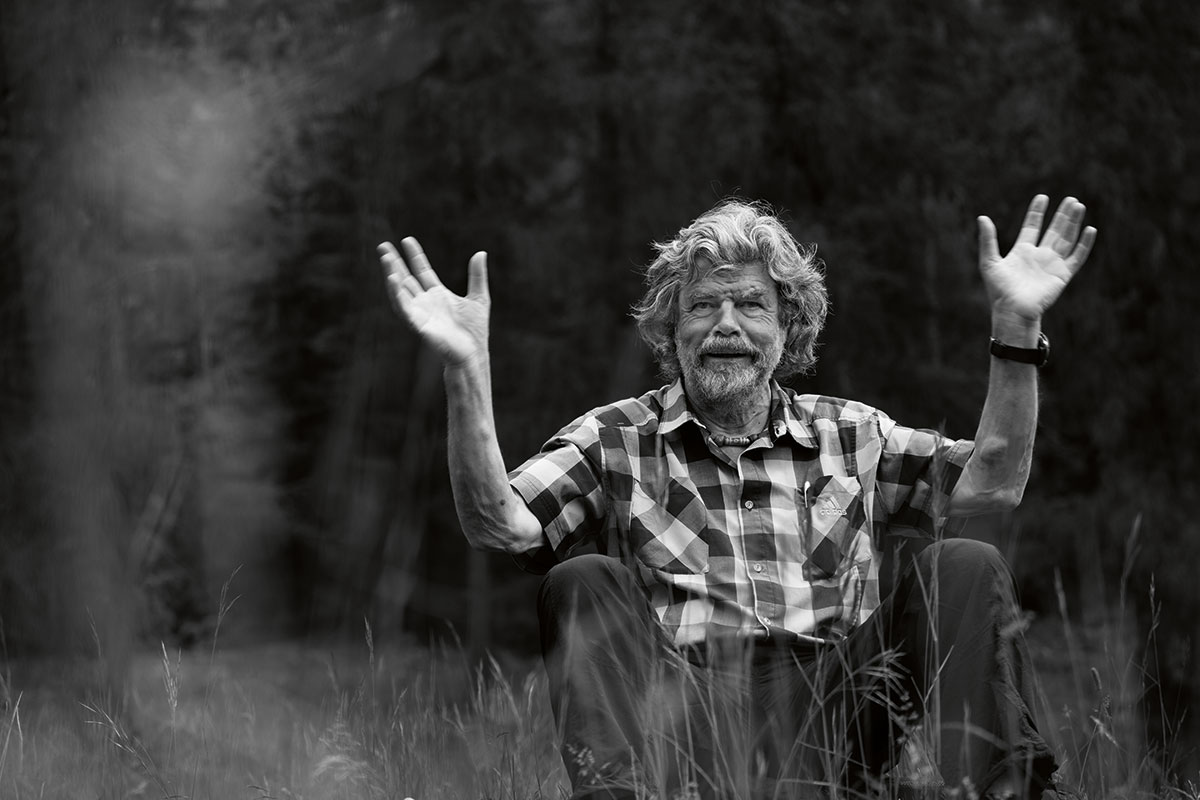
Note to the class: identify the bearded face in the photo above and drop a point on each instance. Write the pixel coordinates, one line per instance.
(728, 338)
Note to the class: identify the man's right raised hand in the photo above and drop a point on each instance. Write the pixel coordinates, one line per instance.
(455, 327)
(492, 516)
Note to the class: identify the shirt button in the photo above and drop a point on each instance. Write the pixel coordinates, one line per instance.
(749, 504)
(758, 567)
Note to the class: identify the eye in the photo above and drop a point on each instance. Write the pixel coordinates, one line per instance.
(702, 305)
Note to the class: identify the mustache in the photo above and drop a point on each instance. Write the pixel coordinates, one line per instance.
(738, 348)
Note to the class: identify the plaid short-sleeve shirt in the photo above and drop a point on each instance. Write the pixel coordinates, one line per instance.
(777, 540)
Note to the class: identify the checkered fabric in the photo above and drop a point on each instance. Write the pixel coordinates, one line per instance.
(777, 540)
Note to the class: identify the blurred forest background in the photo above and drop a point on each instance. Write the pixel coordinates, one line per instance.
(199, 370)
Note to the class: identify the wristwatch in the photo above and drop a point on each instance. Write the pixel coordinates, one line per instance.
(1038, 356)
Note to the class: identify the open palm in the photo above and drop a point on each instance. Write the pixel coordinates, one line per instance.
(455, 327)
(1039, 266)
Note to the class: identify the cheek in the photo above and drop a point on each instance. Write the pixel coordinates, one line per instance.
(765, 331)
(690, 331)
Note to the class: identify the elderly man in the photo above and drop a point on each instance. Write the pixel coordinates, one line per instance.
(725, 612)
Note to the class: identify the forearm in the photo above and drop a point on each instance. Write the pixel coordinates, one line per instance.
(491, 515)
(995, 476)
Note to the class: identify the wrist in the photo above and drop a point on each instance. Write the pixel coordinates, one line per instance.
(468, 369)
(1037, 356)
(1015, 329)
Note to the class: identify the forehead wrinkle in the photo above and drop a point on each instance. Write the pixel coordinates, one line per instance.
(739, 287)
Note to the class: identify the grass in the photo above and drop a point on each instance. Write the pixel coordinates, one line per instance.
(283, 721)
(292, 721)
(1100, 686)
(397, 719)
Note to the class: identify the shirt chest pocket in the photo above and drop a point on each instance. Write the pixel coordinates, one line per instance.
(666, 533)
(833, 507)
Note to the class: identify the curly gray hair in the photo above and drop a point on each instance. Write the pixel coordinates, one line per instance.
(736, 232)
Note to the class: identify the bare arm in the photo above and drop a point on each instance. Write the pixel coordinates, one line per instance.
(1021, 287)
(493, 517)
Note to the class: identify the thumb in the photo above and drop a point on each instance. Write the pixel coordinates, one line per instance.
(477, 282)
(989, 248)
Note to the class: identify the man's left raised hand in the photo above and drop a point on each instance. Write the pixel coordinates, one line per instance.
(1033, 274)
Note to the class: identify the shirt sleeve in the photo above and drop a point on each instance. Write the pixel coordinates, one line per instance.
(562, 486)
(918, 469)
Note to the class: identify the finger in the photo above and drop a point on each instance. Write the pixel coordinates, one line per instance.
(989, 248)
(1082, 250)
(418, 264)
(394, 271)
(477, 283)
(402, 284)
(1064, 226)
(393, 265)
(403, 290)
(389, 259)
(1031, 227)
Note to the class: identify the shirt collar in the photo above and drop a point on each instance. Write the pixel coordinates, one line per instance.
(783, 418)
(786, 420)
(675, 409)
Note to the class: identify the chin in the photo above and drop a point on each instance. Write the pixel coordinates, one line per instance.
(723, 387)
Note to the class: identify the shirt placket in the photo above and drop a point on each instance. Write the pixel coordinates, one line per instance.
(760, 567)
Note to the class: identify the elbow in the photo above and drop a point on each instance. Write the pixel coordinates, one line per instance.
(514, 532)
(495, 540)
(993, 481)
(967, 502)
(1009, 498)
(1004, 468)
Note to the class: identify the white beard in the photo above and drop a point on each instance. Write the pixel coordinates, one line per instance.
(725, 385)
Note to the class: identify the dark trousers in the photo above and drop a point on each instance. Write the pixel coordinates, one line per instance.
(943, 660)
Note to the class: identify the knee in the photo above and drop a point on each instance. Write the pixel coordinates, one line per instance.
(962, 582)
(963, 557)
(583, 581)
(968, 563)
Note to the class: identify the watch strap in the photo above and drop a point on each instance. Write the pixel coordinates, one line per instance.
(1037, 356)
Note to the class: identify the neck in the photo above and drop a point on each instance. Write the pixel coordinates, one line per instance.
(742, 415)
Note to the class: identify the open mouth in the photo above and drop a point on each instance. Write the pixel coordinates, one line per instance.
(728, 358)
(716, 352)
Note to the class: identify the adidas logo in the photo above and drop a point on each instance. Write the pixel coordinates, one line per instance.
(832, 508)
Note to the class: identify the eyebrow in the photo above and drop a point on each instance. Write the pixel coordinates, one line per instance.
(749, 293)
(753, 293)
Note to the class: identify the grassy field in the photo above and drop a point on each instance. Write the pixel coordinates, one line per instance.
(282, 721)
(402, 720)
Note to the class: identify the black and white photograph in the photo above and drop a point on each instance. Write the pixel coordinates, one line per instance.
(599, 400)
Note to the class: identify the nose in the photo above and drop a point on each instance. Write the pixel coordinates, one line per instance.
(727, 320)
